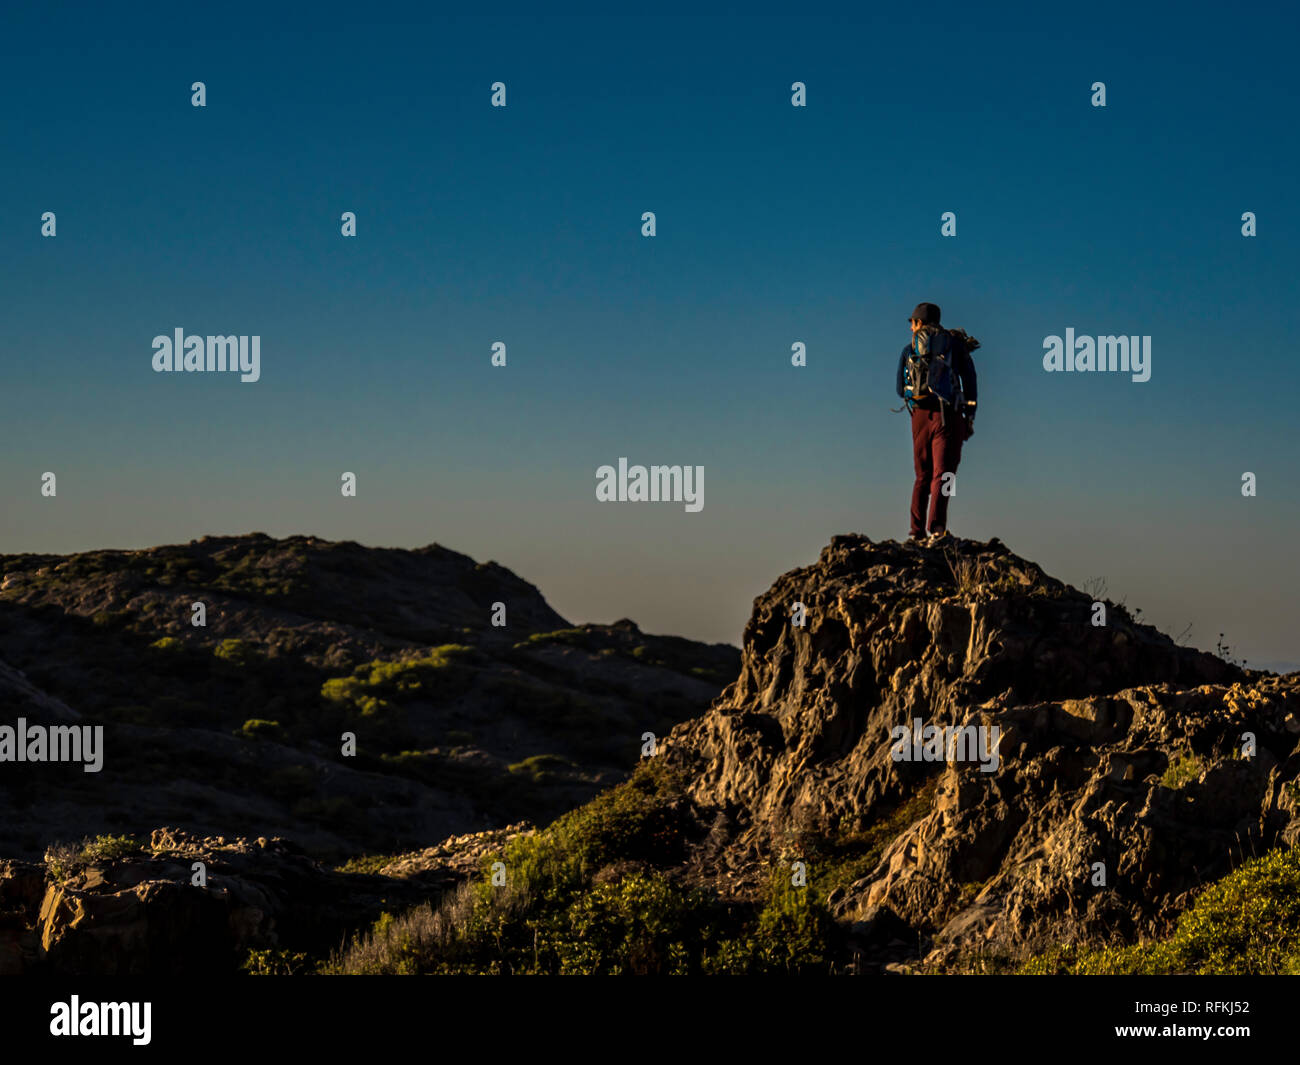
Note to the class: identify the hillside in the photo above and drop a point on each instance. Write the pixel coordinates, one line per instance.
(236, 726)
(1095, 780)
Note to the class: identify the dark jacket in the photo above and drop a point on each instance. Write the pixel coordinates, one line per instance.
(961, 363)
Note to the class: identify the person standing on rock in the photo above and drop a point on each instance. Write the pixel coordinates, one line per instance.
(936, 381)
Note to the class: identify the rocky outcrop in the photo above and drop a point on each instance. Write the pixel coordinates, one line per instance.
(1106, 816)
(972, 756)
(454, 859)
(142, 910)
(1119, 784)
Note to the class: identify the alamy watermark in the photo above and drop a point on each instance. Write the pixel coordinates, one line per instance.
(196, 354)
(53, 743)
(653, 484)
(1113, 354)
(75, 1017)
(947, 743)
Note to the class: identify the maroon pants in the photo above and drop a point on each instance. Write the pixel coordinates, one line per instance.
(936, 450)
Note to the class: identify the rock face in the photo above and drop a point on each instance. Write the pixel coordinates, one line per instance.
(1118, 752)
(975, 758)
(140, 912)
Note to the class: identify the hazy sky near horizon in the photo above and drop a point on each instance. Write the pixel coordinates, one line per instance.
(775, 224)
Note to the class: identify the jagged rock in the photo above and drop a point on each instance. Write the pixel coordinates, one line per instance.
(141, 913)
(1090, 718)
(1119, 786)
(455, 858)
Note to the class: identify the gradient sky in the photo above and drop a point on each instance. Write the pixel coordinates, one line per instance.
(775, 224)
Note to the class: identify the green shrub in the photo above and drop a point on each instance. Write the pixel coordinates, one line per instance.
(237, 652)
(399, 941)
(571, 637)
(168, 643)
(275, 963)
(61, 859)
(637, 925)
(255, 728)
(366, 864)
(376, 687)
(641, 819)
(1183, 770)
(541, 768)
(1246, 924)
(110, 847)
(528, 924)
(248, 578)
(64, 859)
(399, 945)
(795, 934)
(583, 896)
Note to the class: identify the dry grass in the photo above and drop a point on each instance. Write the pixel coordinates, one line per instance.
(410, 942)
(972, 576)
(967, 573)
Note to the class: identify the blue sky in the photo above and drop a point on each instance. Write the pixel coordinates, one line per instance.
(775, 224)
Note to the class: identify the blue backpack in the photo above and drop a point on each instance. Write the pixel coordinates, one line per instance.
(929, 371)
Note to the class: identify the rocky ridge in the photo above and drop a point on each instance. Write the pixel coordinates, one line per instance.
(1120, 752)
(1130, 772)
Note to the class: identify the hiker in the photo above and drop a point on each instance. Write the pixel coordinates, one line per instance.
(936, 380)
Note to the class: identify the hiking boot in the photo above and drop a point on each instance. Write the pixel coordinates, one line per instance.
(936, 538)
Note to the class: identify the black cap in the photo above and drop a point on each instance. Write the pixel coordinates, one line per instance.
(927, 313)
